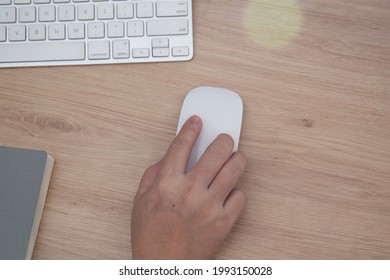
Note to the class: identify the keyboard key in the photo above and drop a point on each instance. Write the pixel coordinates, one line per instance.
(141, 53)
(3, 33)
(145, 10)
(167, 27)
(76, 31)
(124, 10)
(99, 49)
(5, 2)
(135, 28)
(42, 51)
(105, 11)
(27, 14)
(17, 33)
(66, 13)
(7, 14)
(18, 2)
(172, 8)
(47, 13)
(95, 30)
(121, 49)
(160, 52)
(115, 29)
(57, 32)
(160, 43)
(180, 51)
(37, 32)
(41, 1)
(86, 12)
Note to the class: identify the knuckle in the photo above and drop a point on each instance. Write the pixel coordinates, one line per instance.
(164, 186)
(150, 170)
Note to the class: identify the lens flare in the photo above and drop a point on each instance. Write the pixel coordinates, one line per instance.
(271, 23)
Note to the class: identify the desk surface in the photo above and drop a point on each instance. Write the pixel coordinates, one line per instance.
(314, 77)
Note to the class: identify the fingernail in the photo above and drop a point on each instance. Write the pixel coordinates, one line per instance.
(195, 120)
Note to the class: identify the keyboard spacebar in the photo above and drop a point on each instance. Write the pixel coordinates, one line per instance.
(35, 52)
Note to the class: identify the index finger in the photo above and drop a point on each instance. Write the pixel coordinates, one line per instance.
(176, 159)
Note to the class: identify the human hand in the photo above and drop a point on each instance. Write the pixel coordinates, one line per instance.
(179, 215)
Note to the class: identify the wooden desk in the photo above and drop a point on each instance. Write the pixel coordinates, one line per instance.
(315, 80)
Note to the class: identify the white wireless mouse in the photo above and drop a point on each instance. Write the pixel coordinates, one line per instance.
(221, 112)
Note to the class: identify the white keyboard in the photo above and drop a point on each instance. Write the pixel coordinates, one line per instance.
(75, 32)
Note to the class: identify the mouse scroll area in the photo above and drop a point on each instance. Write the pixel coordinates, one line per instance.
(221, 111)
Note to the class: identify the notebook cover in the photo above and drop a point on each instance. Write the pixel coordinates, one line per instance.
(21, 175)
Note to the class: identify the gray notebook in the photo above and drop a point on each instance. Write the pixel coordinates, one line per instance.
(24, 180)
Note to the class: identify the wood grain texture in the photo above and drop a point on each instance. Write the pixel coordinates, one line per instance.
(316, 133)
